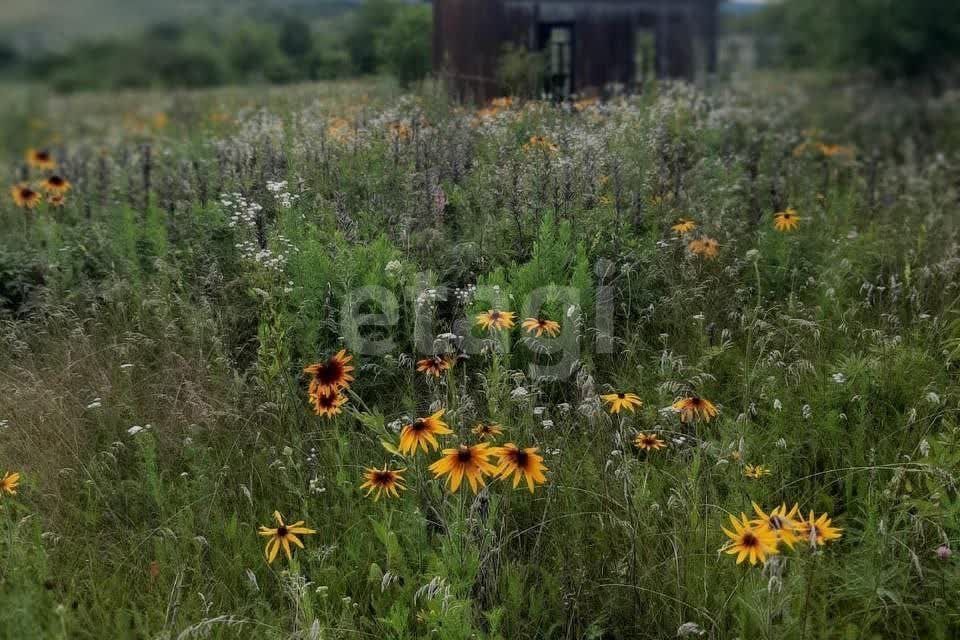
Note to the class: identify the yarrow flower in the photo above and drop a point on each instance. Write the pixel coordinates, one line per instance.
(495, 319)
(618, 401)
(540, 326)
(471, 462)
(282, 536)
(786, 220)
(422, 432)
(383, 481)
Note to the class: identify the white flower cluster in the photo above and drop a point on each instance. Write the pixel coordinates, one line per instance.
(242, 212)
(280, 192)
(267, 257)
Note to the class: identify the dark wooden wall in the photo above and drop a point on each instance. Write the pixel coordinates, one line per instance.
(469, 34)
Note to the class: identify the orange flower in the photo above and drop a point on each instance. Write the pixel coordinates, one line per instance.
(434, 366)
(332, 375)
(469, 461)
(540, 326)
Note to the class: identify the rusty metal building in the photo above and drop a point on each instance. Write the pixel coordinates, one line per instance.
(587, 45)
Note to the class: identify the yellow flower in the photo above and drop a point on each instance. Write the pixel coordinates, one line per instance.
(648, 442)
(487, 431)
(423, 432)
(495, 319)
(542, 143)
(433, 366)
(332, 375)
(389, 481)
(25, 197)
(818, 531)
(41, 159)
(469, 461)
(786, 220)
(683, 226)
(9, 483)
(755, 471)
(283, 535)
(704, 247)
(620, 401)
(328, 404)
(695, 408)
(540, 326)
(749, 541)
(520, 463)
(56, 185)
(56, 200)
(781, 522)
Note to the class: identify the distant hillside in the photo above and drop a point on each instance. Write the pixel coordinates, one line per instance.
(53, 24)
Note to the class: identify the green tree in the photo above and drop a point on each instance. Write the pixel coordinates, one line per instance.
(894, 38)
(405, 46)
(364, 29)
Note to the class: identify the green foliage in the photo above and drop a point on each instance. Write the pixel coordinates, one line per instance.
(895, 39)
(520, 72)
(152, 345)
(404, 46)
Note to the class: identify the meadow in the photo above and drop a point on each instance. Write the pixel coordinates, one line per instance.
(333, 361)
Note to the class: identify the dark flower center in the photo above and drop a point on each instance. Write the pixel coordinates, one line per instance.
(418, 425)
(522, 458)
(776, 523)
(495, 315)
(55, 181)
(464, 455)
(383, 477)
(749, 540)
(282, 531)
(621, 395)
(329, 373)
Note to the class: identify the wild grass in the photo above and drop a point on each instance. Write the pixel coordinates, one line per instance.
(153, 339)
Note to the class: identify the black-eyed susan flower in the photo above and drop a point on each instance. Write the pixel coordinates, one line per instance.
(786, 220)
(56, 200)
(282, 536)
(488, 430)
(704, 247)
(749, 541)
(648, 442)
(423, 432)
(818, 531)
(541, 143)
(618, 401)
(755, 471)
(328, 403)
(471, 462)
(693, 408)
(332, 375)
(41, 159)
(383, 481)
(781, 522)
(56, 185)
(521, 464)
(683, 226)
(539, 326)
(434, 366)
(494, 320)
(9, 483)
(24, 196)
